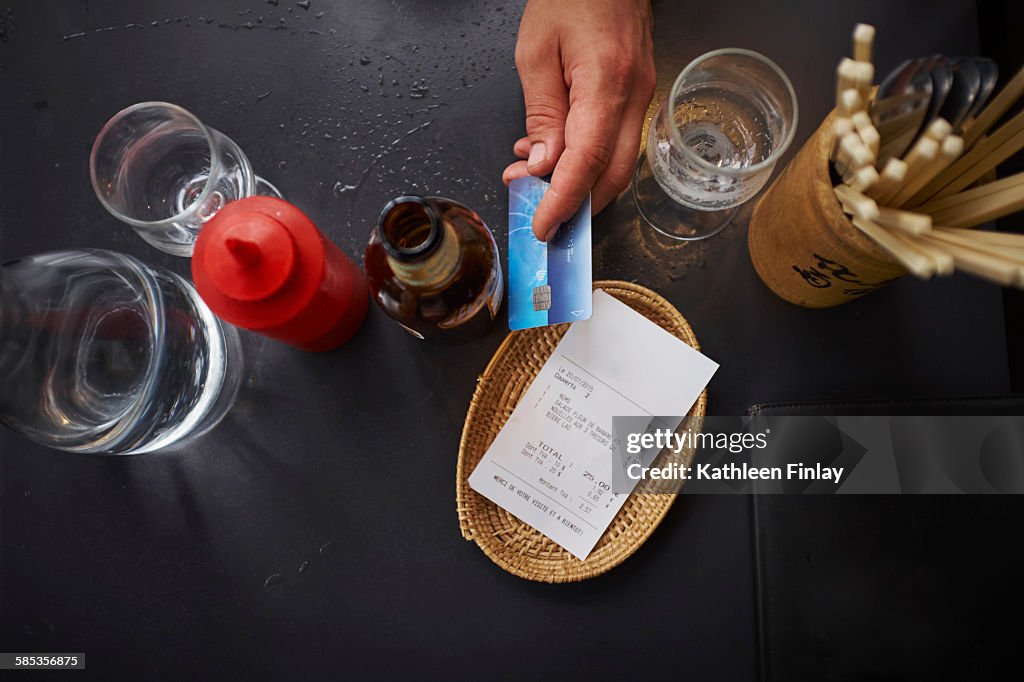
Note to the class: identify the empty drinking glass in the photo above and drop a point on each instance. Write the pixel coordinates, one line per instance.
(714, 142)
(156, 167)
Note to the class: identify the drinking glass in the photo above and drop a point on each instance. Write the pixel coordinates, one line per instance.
(100, 353)
(156, 167)
(712, 145)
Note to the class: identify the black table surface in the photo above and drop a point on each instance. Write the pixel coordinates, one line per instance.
(155, 566)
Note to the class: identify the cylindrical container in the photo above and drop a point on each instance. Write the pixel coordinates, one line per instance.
(100, 353)
(802, 244)
(262, 265)
(433, 266)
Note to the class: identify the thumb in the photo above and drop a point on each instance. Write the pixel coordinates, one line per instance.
(547, 105)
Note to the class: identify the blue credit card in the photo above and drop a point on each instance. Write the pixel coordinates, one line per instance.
(547, 283)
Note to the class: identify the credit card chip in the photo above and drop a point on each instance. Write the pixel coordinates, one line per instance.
(542, 297)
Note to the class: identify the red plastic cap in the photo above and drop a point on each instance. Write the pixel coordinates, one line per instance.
(258, 262)
(250, 257)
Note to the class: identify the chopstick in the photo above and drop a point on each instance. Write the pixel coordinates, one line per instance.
(889, 179)
(850, 102)
(983, 157)
(941, 260)
(917, 159)
(861, 121)
(1009, 255)
(904, 221)
(951, 148)
(973, 193)
(854, 75)
(863, 40)
(1006, 239)
(852, 155)
(909, 257)
(863, 178)
(841, 127)
(855, 203)
(979, 263)
(983, 209)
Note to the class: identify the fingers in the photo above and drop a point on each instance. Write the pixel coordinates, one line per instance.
(522, 148)
(515, 171)
(547, 103)
(619, 172)
(518, 169)
(591, 129)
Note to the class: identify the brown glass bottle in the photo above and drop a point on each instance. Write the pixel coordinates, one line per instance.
(433, 266)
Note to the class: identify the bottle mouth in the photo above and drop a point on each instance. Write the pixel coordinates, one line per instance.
(408, 227)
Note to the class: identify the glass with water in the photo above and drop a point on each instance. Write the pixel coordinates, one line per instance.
(100, 353)
(713, 144)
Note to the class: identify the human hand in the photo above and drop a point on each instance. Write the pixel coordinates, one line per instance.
(587, 70)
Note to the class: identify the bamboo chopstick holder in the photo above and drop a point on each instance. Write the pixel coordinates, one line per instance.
(933, 176)
(913, 260)
(995, 109)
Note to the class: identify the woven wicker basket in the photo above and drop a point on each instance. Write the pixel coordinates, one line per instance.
(510, 543)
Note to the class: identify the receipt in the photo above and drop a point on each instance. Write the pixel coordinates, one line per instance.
(550, 465)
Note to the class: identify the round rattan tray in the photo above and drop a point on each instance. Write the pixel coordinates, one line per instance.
(510, 543)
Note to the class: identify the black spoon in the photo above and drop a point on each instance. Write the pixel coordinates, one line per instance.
(964, 93)
(941, 71)
(989, 75)
(900, 107)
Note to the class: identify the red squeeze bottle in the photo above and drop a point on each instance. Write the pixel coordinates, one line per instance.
(262, 265)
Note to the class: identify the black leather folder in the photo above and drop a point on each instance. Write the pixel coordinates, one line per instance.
(889, 587)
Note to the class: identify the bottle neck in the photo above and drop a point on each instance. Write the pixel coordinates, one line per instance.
(422, 250)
